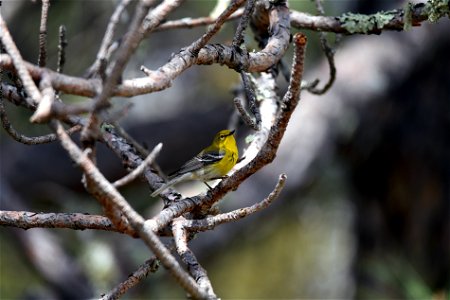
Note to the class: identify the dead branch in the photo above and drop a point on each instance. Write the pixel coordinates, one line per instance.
(76, 221)
(149, 266)
(180, 236)
(43, 34)
(211, 222)
(122, 215)
(138, 171)
(44, 139)
(99, 65)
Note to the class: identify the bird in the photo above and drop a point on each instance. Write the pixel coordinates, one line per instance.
(213, 162)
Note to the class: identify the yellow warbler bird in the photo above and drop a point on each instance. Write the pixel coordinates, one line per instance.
(213, 162)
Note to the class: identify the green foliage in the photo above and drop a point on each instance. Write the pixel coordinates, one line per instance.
(358, 23)
(437, 9)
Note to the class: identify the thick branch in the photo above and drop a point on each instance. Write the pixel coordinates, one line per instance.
(361, 24)
(180, 236)
(76, 221)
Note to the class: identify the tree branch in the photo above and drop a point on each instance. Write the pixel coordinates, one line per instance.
(161, 78)
(19, 64)
(62, 44)
(180, 236)
(361, 24)
(43, 34)
(76, 221)
(99, 65)
(44, 139)
(136, 172)
(210, 223)
(123, 215)
(150, 266)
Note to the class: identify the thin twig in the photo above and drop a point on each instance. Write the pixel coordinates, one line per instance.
(13, 95)
(44, 139)
(195, 22)
(210, 223)
(251, 100)
(102, 54)
(138, 171)
(149, 266)
(329, 54)
(245, 116)
(76, 221)
(243, 22)
(201, 42)
(43, 34)
(188, 55)
(62, 44)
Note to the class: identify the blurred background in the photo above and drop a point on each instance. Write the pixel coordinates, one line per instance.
(366, 208)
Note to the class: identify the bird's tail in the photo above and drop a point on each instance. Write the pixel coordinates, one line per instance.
(170, 183)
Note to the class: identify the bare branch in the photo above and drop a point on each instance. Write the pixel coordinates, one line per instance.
(43, 34)
(243, 22)
(180, 236)
(162, 77)
(187, 57)
(336, 24)
(195, 22)
(138, 171)
(150, 266)
(62, 44)
(213, 221)
(251, 100)
(102, 56)
(76, 221)
(329, 54)
(244, 114)
(132, 39)
(44, 139)
(140, 25)
(360, 24)
(123, 215)
(250, 62)
(12, 94)
(19, 64)
(44, 109)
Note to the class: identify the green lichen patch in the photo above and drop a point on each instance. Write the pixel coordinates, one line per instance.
(437, 9)
(358, 23)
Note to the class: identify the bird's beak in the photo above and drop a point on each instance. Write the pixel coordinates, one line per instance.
(232, 132)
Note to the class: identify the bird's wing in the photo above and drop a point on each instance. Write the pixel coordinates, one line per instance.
(199, 161)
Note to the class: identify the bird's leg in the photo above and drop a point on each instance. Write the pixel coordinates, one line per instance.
(209, 187)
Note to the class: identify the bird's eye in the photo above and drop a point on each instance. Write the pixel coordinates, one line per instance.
(222, 137)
